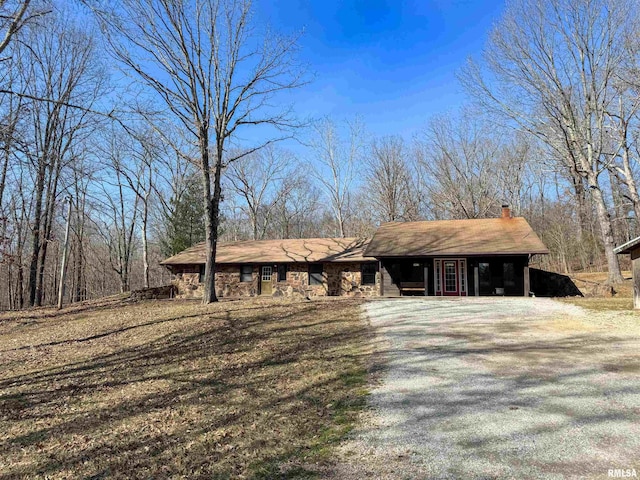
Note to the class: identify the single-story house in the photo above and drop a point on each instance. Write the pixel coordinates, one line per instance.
(306, 266)
(434, 258)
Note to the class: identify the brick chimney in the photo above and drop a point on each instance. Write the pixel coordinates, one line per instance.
(506, 211)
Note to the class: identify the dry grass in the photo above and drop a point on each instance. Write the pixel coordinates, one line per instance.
(586, 282)
(601, 304)
(175, 389)
(621, 301)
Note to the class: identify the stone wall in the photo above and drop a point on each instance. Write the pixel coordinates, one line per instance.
(345, 279)
(187, 281)
(340, 279)
(297, 283)
(154, 293)
(228, 282)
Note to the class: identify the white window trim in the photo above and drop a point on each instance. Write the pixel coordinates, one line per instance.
(462, 272)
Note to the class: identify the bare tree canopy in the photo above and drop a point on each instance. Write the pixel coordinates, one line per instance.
(259, 180)
(216, 73)
(160, 119)
(333, 163)
(460, 158)
(553, 68)
(14, 15)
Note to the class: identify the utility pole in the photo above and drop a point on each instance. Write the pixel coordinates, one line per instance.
(63, 266)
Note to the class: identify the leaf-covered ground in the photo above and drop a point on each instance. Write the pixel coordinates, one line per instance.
(174, 389)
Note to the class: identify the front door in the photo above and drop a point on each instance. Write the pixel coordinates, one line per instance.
(266, 287)
(450, 277)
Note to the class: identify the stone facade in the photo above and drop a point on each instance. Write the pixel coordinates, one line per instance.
(187, 281)
(339, 279)
(228, 282)
(346, 279)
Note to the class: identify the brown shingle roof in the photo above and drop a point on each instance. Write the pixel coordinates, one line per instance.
(277, 251)
(455, 237)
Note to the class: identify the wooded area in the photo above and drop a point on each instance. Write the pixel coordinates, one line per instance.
(167, 123)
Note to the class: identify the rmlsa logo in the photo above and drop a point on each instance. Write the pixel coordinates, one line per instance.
(623, 473)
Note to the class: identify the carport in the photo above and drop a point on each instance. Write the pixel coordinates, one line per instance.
(633, 248)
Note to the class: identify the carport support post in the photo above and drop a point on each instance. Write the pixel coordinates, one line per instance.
(527, 287)
(635, 266)
(476, 280)
(426, 280)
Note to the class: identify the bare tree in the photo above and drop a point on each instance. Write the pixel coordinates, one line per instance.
(516, 163)
(215, 73)
(176, 219)
(143, 151)
(389, 187)
(459, 157)
(259, 180)
(554, 64)
(12, 113)
(14, 15)
(82, 178)
(333, 163)
(623, 122)
(62, 62)
(120, 209)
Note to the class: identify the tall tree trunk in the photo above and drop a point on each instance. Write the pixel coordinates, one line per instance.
(20, 281)
(36, 235)
(604, 220)
(79, 293)
(5, 167)
(580, 196)
(63, 264)
(211, 215)
(8, 143)
(619, 224)
(52, 191)
(340, 224)
(40, 272)
(10, 295)
(145, 247)
(255, 226)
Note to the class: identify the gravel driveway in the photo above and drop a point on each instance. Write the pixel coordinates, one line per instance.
(499, 388)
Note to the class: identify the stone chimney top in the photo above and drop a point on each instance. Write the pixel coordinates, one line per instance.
(506, 211)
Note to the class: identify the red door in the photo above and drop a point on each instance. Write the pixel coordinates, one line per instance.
(450, 281)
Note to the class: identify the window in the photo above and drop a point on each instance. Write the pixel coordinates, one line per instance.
(246, 273)
(282, 272)
(412, 272)
(463, 276)
(509, 276)
(368, 271)
(484, 279)
(315, 274)
(450, 277)
(437, 268)
(201, 278)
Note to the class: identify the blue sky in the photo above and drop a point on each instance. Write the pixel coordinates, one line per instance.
(393, 63)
